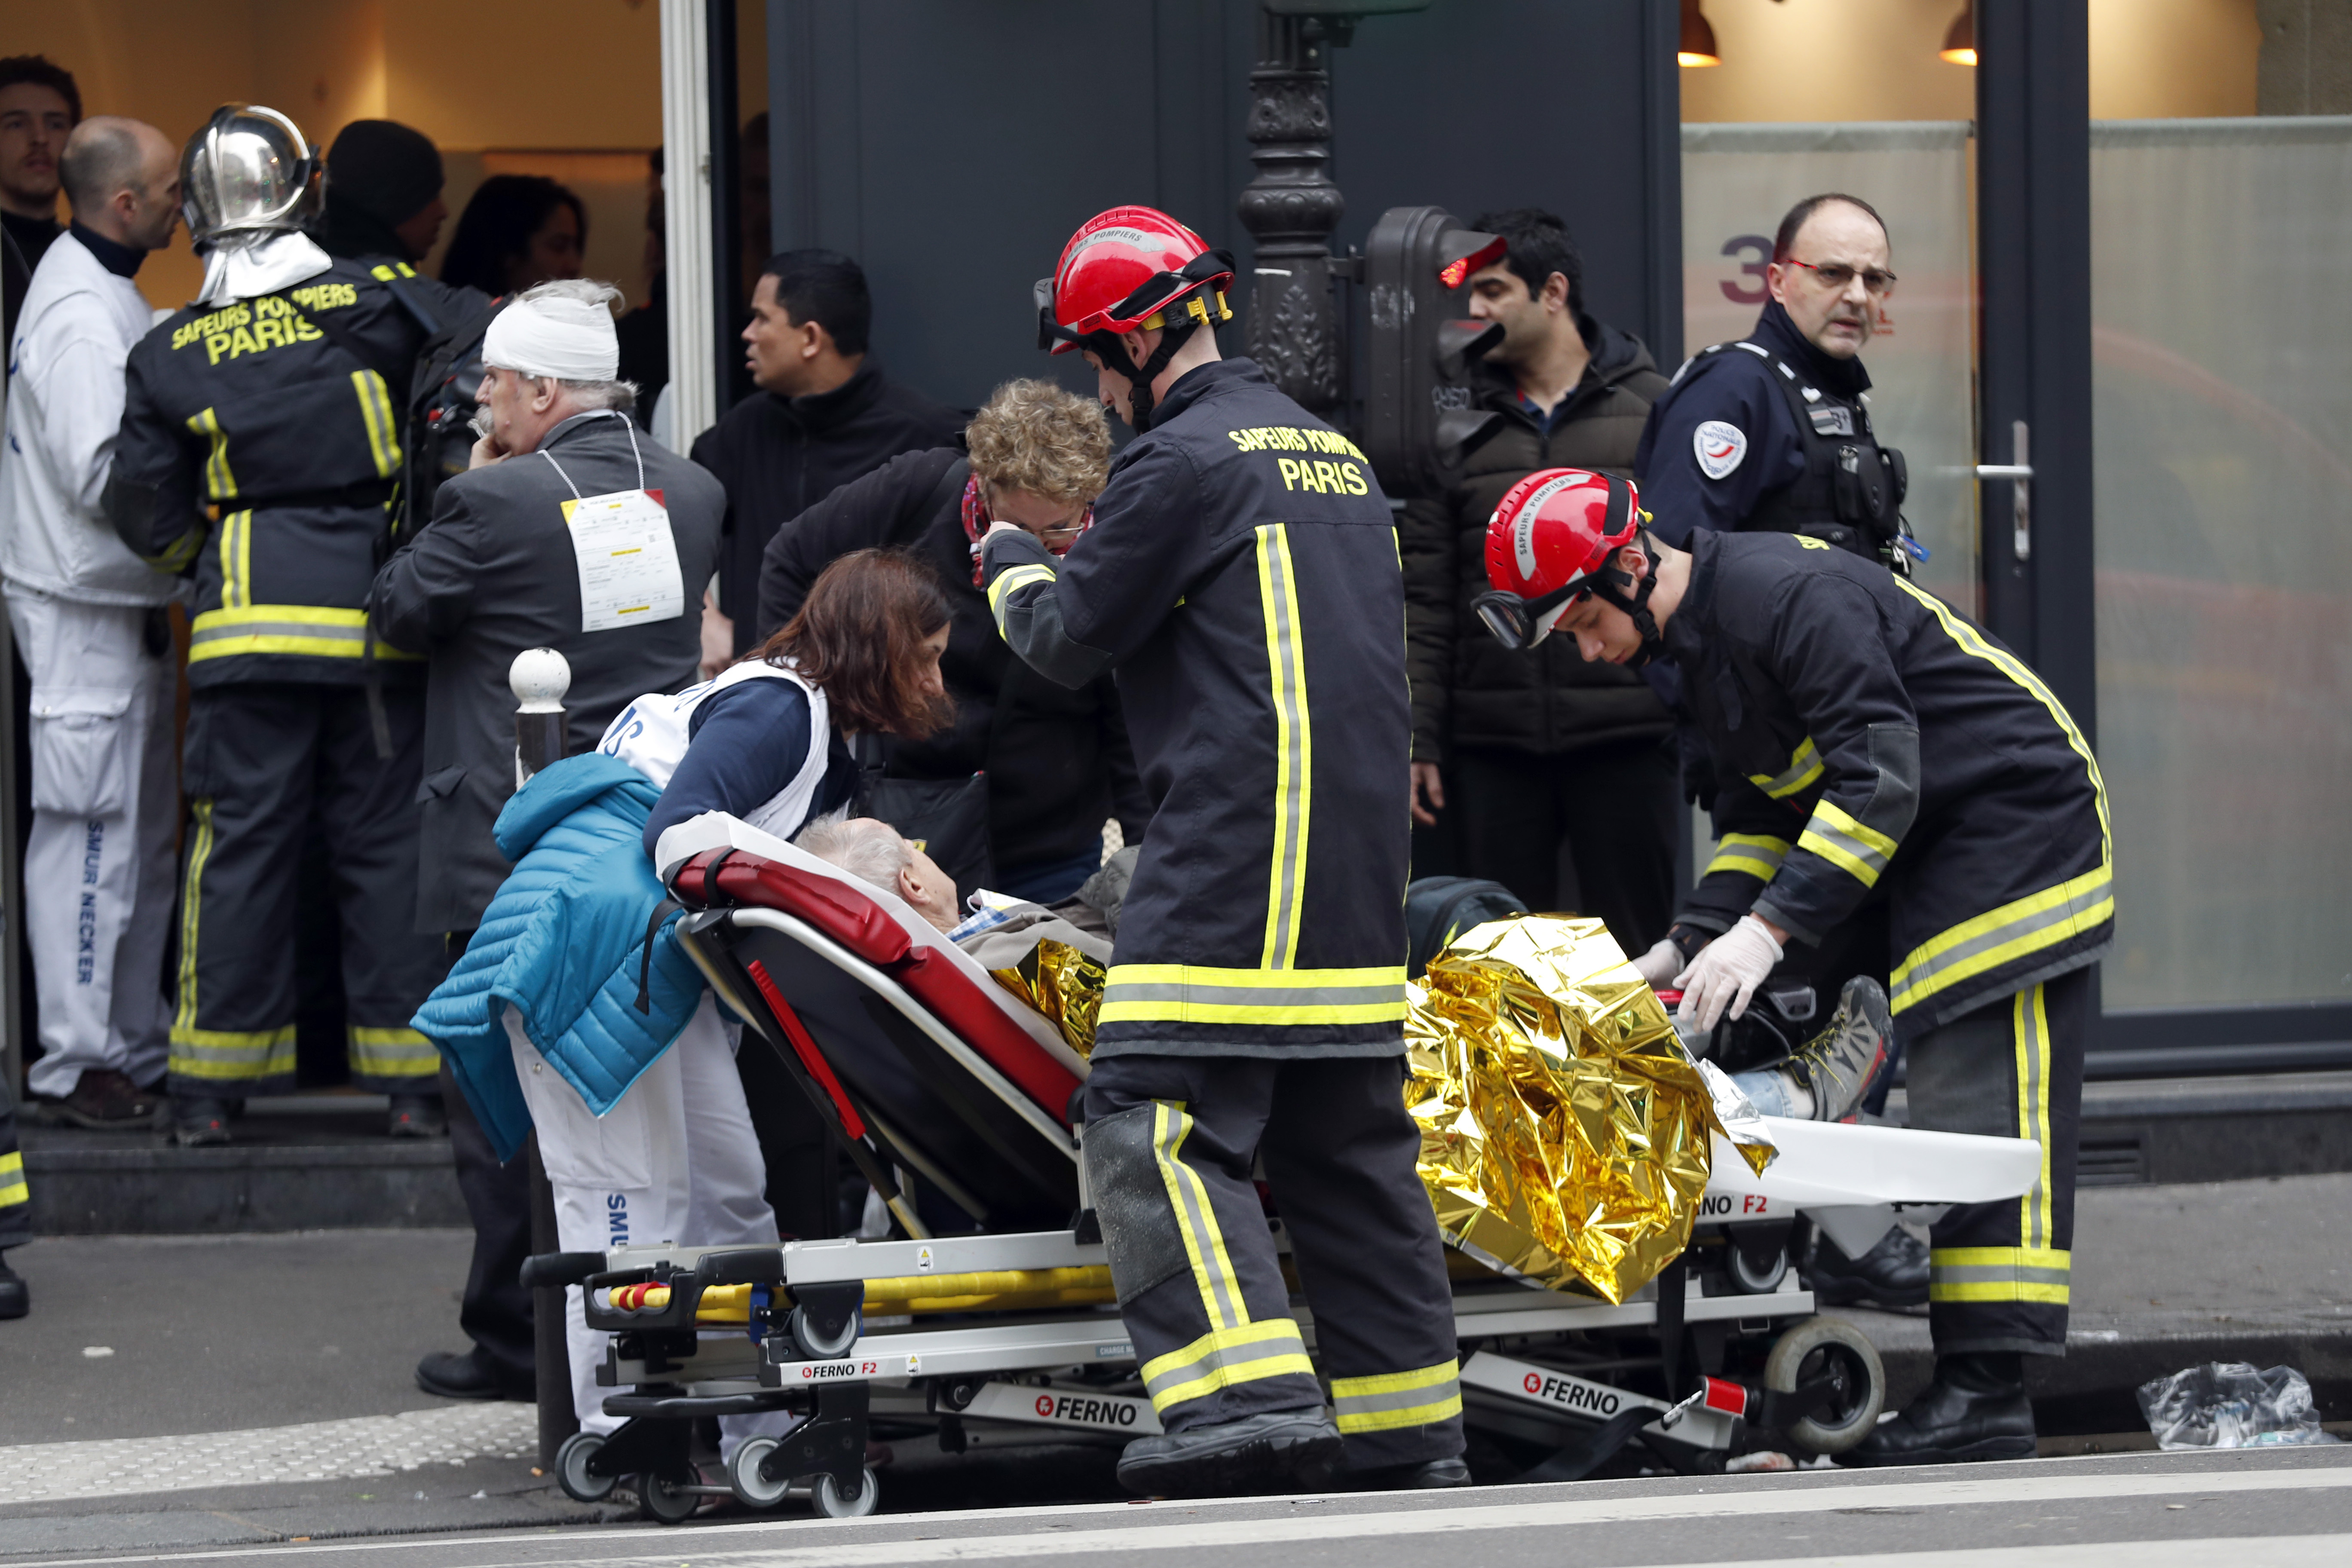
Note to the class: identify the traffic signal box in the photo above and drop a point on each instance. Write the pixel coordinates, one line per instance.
(1420, 417)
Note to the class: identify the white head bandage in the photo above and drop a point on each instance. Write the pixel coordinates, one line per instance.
(570, 340)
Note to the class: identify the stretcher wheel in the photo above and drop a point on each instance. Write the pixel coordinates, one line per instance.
(572, 1469)
(666, 1502)
(832, 1505)
(829, 1347)
(743, 1474)
(1826, 1347)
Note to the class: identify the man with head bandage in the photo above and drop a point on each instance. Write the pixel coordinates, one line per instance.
(530, 548)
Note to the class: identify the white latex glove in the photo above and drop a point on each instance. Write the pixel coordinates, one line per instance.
(1658, 965)
(1727, 972)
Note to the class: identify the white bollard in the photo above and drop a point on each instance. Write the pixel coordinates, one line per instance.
(538, 678)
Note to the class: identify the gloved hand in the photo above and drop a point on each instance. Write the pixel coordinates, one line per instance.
(1727, 972)
(1660, 964)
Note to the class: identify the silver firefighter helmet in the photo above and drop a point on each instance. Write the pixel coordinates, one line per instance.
(248, 172)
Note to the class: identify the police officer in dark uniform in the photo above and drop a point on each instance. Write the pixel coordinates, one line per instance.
(260, 452)
(1241, 578)
(1895, 746)
(1773, 432)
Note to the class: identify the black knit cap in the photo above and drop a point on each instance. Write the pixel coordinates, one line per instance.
(384, 169)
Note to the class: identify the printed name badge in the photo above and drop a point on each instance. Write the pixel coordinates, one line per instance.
(628, 560)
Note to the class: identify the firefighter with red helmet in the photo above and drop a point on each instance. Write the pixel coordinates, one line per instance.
(1869, 734)
(1242, 579)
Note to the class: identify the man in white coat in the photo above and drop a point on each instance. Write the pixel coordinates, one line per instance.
(90, 624)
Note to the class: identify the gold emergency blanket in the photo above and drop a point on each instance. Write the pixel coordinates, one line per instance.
(1062, 983)
(1565, 1133)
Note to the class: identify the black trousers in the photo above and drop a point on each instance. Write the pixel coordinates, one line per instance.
(16, 1199)
(1605, 817)
(1998, 1273)
(1170, 1143)
(263, 760)
(495, 1311)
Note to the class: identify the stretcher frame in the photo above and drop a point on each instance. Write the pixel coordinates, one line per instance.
(1543, 1372)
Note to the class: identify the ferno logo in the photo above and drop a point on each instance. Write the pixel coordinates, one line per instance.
(1089, 1412)
(821, 1371)
(1574, 1395)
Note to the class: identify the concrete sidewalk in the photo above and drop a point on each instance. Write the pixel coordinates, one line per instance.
(226, 1342)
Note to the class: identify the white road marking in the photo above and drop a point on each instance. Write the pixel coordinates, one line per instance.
(1822, 1492)
(316, 1450)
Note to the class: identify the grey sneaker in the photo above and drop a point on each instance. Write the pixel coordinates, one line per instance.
(1840, 1063)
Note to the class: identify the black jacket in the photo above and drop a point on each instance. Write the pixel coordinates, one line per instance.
(1057, 760)
(1468, 691)
(1863, 730)
(778, 457)
(261, 449)
(493, 574)
(1242, 576)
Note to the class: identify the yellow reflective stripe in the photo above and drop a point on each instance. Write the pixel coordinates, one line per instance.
(1972, 642)
(232, 1055)
(1204, 1241)
(11, 1180)
(1860, 852)
(178, 554)
(1294, 747)
(1010, 579)
(310, 629)
(1179, 994)
(236, 559)
(1385, 1401)
(1805, 767)
(2000, 936)
(1750, 854)
(12, 1164)
(1224, 1357)
(1998, 1274)
(2034, 1220)
(393, 1053)
(375, 413)
(219, 483)
(200, 850)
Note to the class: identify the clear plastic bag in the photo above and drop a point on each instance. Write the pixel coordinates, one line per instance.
(2229, 1405)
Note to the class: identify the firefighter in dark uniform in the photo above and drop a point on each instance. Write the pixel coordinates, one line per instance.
(15, 1207)
(1773, 432)
(260, 452)
(1241, 578)
(1891, 744)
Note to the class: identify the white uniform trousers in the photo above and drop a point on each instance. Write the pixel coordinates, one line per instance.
(99, 869)
(674, 1161)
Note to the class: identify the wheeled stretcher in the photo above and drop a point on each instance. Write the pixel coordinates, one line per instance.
(996, 1310)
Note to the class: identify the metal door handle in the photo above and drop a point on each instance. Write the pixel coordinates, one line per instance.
(2019, 472)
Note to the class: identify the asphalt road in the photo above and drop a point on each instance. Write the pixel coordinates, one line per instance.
(2245, 1509)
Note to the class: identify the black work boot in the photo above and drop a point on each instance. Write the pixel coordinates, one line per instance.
(1975, 1409)
(417, 1116)
(15, 1296)
(470, 1375)
(1892, 1274)
(1430, 1474)
(1255, 1454)
(197, 1123)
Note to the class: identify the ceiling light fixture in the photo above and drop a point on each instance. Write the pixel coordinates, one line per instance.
(1697, 45)
(1960, 43)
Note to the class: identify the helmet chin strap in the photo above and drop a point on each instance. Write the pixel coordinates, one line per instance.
(1139, 377)
(1610, 579)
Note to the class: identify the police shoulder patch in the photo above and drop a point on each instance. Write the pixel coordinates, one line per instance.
(1719, 447)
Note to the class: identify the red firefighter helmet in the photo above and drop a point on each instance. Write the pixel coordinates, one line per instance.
(1550, 544)
(1120, 273)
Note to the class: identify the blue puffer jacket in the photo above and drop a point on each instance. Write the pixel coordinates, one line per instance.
(563, 943)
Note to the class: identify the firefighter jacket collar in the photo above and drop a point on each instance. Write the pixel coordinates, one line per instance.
(1844, 378)
(1200, 381)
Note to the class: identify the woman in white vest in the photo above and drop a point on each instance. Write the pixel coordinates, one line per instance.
(676, 1159)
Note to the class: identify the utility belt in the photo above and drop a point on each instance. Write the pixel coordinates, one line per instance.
(1850, 494)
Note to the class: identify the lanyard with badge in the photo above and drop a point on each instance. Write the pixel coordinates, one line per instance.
(626, 553)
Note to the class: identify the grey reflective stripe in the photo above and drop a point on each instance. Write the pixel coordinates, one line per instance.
(1253, 995)
(1995, 1274)
(1346, 1405)
(1922, 973)
(321, 631)
(2029, 1091)
(1281, 1340)
(1805, 767)
(1868, 854)
(1223, 1294)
